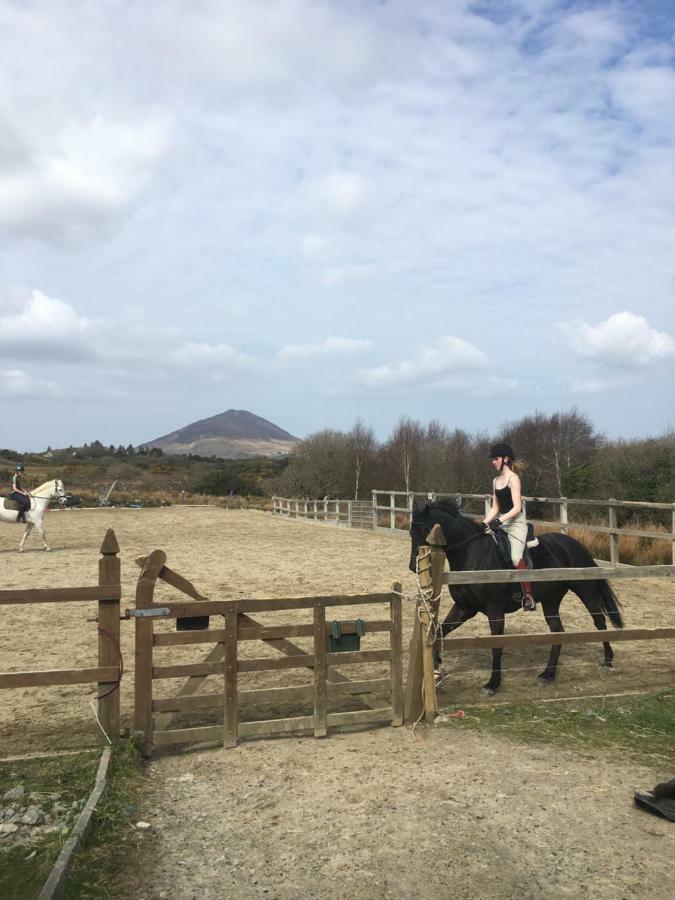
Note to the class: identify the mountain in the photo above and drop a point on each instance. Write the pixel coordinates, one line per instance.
(235, 434)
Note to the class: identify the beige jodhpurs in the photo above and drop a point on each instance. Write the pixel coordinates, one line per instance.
(517, 531)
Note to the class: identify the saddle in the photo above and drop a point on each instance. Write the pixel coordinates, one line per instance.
(504, 548)
(11, 503)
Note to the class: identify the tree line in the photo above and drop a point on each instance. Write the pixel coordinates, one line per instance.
(565, 455)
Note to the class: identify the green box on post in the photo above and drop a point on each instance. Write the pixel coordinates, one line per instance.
(344, 643)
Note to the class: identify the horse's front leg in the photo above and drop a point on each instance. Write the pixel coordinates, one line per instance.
(496, 618)
(457, 616)
(41, 532)
(27, 530)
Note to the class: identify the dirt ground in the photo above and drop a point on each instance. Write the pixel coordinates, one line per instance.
(381, 813)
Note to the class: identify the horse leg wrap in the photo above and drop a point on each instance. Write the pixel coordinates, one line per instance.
(526, 588)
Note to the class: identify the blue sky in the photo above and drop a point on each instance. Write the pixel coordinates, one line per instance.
(321, 211)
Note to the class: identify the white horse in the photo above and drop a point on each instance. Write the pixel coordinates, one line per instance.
(40, 499)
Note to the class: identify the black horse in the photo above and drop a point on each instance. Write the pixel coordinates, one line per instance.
(495, 600)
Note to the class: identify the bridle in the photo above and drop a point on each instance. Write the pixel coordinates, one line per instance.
(461, 543)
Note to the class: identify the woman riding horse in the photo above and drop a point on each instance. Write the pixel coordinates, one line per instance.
(18, 494)
(507, 513)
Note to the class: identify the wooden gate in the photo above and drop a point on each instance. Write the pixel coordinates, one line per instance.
(154, 715)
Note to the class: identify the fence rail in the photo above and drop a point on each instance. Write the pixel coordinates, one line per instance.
(107, 595)
(387, 516)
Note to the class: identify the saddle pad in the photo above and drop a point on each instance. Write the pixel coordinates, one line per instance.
(664, 806)
(10, 503)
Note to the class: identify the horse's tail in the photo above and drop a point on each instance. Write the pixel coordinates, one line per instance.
(610, 604)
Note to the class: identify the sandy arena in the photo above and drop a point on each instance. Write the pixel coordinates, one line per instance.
(383, 813)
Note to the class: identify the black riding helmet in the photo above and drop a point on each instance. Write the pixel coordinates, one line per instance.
(19, 468)
(502, 450)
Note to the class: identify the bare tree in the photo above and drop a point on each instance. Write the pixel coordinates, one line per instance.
(405, 445)
(362, 445)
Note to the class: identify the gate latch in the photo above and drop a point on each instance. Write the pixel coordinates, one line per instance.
(146, 613)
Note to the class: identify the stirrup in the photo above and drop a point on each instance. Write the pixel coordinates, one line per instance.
(529, 603)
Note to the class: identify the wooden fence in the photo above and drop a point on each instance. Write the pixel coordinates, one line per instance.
(396, 513)
(420, 687)
(107, 595)
(153, 716)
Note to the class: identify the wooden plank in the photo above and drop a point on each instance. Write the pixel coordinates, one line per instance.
(109, 652)
(267, 664)
(497, 576)
(62, 595)
(145, 588)
(276, 726)
(358, 656)
(368, 686)
(181, 670)
(231, 710)
(196, 701)
(277, 695)
(605, 529)
(185, 638)
(199, 735)
(361, 716)
(320, 656)
(261, 633)
(50, 677)
(547, 639)
(178, 609)
(396, 647)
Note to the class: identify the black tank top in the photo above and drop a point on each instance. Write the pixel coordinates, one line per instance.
(504, 499)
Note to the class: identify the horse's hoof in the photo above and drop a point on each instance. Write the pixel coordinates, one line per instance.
(608, 665)
(487, 692)
(542, 681)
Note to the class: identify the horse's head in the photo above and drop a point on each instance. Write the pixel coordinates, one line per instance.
(444, 513)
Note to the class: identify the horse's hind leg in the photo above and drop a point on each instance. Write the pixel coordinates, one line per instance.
(586, 593)
(27, 530)
(551, 606)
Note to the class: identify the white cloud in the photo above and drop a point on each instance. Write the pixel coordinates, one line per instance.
(203, 354)
(624, 339)
(16, 383)
(347, 273)
(35, 325)
(341, 193)
(312, 244)
(79, 182)
(432, 364)
(331, 346)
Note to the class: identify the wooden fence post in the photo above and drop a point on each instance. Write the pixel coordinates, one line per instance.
(420, 686)
(392, 514)
(563, 515)
(349, 513)
(145, 589)
(230, 666)
(320, 672)
(614, 535)
(488, 505)
(109, 654)
(374, 493)
(395, 642)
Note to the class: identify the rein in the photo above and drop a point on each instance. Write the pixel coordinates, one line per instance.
(466, 540)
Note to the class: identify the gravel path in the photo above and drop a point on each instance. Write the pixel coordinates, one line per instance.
(392, 814)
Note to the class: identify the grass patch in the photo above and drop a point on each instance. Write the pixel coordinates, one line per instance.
(56, 783)
(642, 726)
(68, 781)
(96, 867)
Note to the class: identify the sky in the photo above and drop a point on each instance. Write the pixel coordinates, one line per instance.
(323, 211)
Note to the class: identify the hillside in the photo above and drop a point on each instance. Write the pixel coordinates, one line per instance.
(234, 434)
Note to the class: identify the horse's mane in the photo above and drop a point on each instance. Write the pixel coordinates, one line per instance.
(449, 507)
(40, 487)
